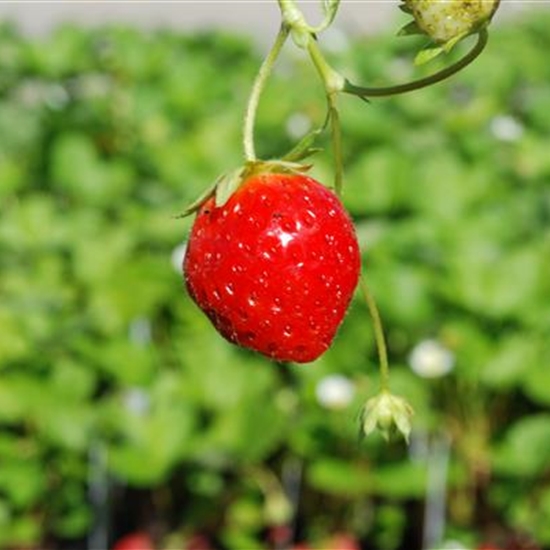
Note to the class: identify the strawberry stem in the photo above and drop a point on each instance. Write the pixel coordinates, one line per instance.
(257, 88)
(333, 83)
(443, 74)
(378, 336)
(336, 132)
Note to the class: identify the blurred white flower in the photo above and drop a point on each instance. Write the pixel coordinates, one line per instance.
(506, 128)
(137, 401)
(177, 256)
(297, 125)
(335, 391)
(56, 97)
(431, 359)
(139, 331)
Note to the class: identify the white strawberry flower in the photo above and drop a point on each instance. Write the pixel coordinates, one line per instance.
(506, 128)
(335, 391)
(431, 359)
(137, 401)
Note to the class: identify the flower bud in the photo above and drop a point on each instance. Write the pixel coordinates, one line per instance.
(387, 412)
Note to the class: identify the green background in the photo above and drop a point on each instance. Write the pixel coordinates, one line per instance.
(106, 366)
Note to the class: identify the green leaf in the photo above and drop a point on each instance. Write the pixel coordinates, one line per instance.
(23, 482)
(24, 530)
(74, 522)
(340, 477)
(525, 451)
(511, 361)
(536, 381)
(402, 480)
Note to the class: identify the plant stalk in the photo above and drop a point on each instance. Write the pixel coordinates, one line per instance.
(378, 336)
(257, 89)
(333, 83)
(445, 73)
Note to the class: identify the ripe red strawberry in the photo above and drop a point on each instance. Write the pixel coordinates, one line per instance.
(135, 541)
(275, 267)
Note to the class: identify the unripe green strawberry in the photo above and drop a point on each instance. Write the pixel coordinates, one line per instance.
(447, 21)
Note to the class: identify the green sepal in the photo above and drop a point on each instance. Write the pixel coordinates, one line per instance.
(450, 44)
(410, 29)
(227, 185)
(431, 52)
(304, 148)
(427, 54)
(224, 186)
(386, 413)
(282, 165)
(197, 203)
(405, 8)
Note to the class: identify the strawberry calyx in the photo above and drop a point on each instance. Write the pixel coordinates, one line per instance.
(227, 183)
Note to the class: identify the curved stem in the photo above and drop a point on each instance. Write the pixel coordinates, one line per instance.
(378, 336)
(257, 88)
(422, 82)
(330, 13)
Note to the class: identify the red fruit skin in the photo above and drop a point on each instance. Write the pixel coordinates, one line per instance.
(342, 541)
(275, 268)
(135, 541)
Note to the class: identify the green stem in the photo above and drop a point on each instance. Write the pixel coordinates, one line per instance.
(257, 88)
(422, 82)
(295, 19)
(378, 336)
(336, 132)
(291, 15)
(333, 83)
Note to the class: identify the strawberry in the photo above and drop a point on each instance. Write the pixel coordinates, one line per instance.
(135, 541)
(275, 267)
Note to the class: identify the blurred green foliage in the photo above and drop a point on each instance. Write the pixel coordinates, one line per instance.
(105, 134)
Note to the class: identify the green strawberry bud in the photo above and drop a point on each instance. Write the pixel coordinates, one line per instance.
(387, 412)
(448, 21)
